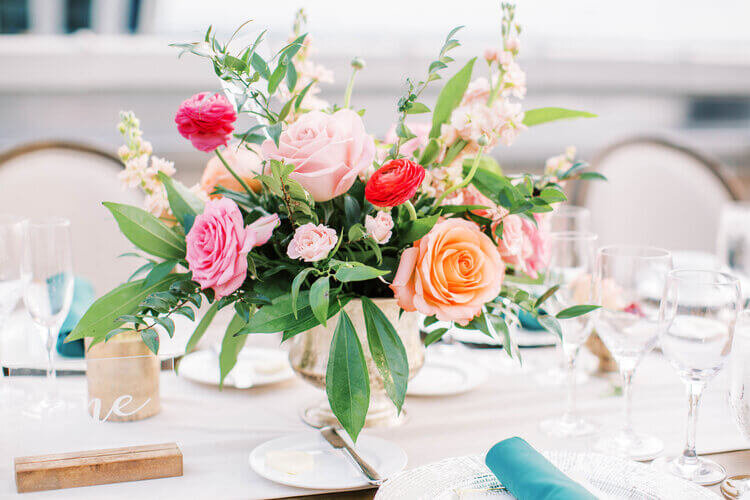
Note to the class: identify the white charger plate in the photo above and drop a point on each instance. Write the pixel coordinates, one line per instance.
(606, 476)
(255, 367)
(332, 468)
(443, 375)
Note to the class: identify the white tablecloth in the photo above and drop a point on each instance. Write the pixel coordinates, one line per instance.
(217, 430)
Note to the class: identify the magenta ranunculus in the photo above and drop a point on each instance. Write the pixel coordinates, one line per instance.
(328, 151)
(206, 120)
(218, 244)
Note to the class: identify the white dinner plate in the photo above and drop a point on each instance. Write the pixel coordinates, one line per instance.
(443, 375)
(606, 476)
(331, 468)
(255, 367)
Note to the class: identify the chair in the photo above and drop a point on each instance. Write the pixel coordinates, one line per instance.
(658, 193)
(72, 180)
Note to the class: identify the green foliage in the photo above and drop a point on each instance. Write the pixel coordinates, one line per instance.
(231, 345)
(201, 328)
(450, 97)
(147, 232)
(575, 311)
(347, 381)
(184, 203)
(416, 229)
(319, 298)
(545, 115)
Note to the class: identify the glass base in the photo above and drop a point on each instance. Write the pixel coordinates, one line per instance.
(379, 415)
(698, 470)
(632, 445)
(566, 427)
(48, 407)
(736, 486)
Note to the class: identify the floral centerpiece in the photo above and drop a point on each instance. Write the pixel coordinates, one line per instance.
(306, 211)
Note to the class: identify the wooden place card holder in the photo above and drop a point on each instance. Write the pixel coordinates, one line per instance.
(88, 468)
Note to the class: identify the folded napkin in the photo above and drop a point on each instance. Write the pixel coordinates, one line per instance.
(528, 321)
(528, 475)
(83, 297)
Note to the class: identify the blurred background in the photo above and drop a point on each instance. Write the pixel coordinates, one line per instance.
(670, 69)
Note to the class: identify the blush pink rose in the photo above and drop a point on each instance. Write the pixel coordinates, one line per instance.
(312, 243)
(327, 151)
(511, 244)
(532, 254)
(218, 244)
(206, 120)
(449, 273)
(380, 227)
(419, 128)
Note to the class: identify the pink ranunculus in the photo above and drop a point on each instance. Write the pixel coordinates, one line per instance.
(449, 273)
(312, 243)
(218, 244)
(327, 151)
(419, 128)
(380, 227)
(206, 120)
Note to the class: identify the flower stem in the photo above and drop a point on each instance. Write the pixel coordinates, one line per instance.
(465, 182)
(349, 88)
(411, 210)
(234, 174)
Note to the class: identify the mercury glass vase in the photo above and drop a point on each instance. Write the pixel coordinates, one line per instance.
(309, 358)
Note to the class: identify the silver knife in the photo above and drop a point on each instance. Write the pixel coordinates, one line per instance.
(334, 439)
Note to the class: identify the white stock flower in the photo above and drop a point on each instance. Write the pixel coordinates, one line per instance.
(135, 170)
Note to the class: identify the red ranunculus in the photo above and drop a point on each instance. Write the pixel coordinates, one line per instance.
(206, 120)
(394, 183)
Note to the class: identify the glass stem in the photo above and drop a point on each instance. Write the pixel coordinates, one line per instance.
(51, 373)
(695, 391)
(570, 371)
(627, 398)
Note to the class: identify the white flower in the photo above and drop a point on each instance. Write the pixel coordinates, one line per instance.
(312, 71)
(380, 227)
(157, 202)
(514, 81)
(135, 169)
(162, 165)
(197, 190)
(513, 43)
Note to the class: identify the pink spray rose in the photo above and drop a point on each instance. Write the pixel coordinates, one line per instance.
(450, 273)
(206, 120)
(218, 244)
(312, 243)
(328, 151)
(530, 252)
(380, 227)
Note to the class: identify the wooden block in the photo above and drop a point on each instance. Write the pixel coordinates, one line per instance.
(87, 468)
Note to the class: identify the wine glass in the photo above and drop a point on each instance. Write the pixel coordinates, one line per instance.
(629, 283)
(733, 239)
(564, 218)
(570, 268)
(697, 319)
(48, 268)
(739, 398)
(12, 234)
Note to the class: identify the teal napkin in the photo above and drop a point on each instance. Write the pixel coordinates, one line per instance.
(528, 321)
(83, 297)
(528, 475)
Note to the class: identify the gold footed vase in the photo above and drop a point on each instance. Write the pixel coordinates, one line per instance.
(309, 358)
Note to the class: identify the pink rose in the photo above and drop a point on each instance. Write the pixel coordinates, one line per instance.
(421, 129)
(312, 243)
(533, 253)
(328, 151)
(449, 273)
(218, 244)
(206, 120)
(380, 227)
(511, 244)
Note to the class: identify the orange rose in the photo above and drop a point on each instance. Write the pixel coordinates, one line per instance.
(450, 273)
(247, 164)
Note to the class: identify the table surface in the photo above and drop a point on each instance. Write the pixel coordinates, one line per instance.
(216, 430)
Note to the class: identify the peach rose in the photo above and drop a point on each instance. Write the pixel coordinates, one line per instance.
(327, 151)
(450, 273)
(247, 164)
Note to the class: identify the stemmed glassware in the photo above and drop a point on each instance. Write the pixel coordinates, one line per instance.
(47, 266)
(570, 268)
(12, 234)
(739, 398)
(698, 315)
(629, 284)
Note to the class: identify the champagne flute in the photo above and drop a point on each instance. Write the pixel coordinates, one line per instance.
(629, 284)
(739, 399)
(48, 266)
(570, 268)
(697, 320)
(12, 234)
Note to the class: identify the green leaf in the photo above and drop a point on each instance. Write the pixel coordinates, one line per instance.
(231, 345)
(259, 65)
(358, 272)
(550, 324)
(552, 195)
(101, 316)
(147, 232)
(184, 203)
(168, 325)
(416, 229)
(203, 325)
(450, 97)
(187, 312)
(457, 209)
(277, 76)
(434, 336)
(545, 115)
(592, 176)
(140, 270)
(291, 78)
(351, 210)
(236, 64)
(546, 295)
(319, 299)
(274, 133)
(430, 152)
(387, 351)
(575, 311)
(279, 317)
(296, 284)
(151, 339)
(417, 108)
(159, 272)
(347, 382)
